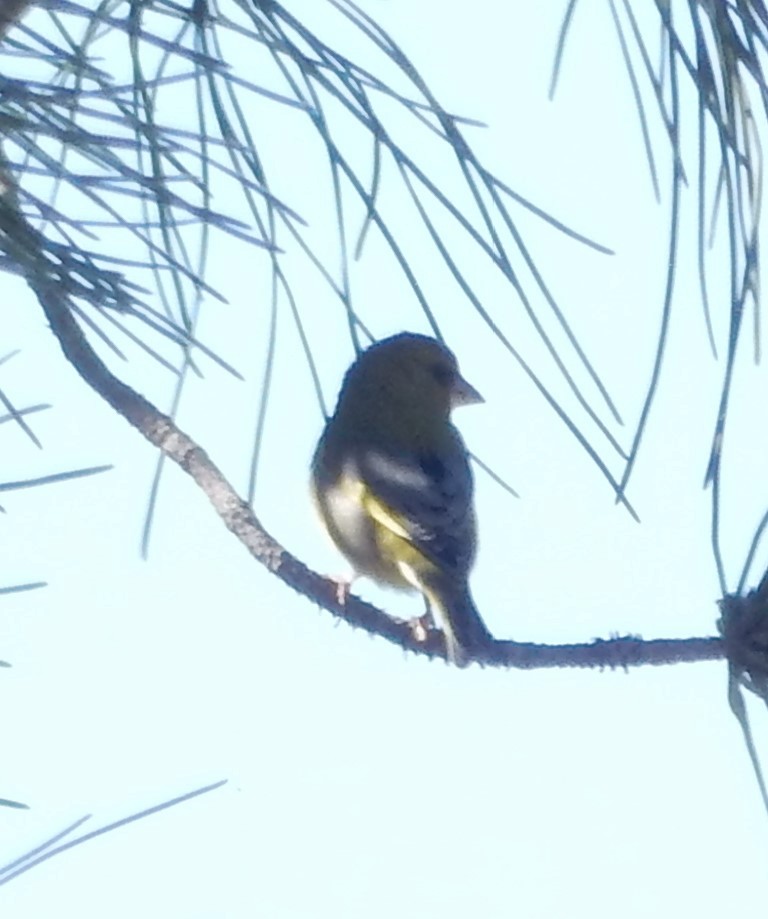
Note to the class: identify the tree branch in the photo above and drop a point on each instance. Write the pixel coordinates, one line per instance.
(27, 247)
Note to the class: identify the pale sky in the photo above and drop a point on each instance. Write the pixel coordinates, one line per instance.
(362, 781)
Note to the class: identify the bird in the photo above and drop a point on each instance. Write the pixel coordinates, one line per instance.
(392, 481)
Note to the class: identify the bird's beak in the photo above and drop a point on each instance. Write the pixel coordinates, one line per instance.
(463, 393)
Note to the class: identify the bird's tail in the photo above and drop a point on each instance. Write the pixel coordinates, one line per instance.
(466, 635)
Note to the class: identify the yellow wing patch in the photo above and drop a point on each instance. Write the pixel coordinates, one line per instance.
(384, 515)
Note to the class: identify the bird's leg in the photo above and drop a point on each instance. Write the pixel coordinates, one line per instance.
(420, 626)
(343, 584)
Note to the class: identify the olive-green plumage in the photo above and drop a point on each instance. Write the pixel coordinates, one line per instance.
(393, 484)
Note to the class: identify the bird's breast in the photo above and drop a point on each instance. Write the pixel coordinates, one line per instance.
(344, 505)
(354, 530)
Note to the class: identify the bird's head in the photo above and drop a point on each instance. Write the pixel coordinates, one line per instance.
(408, 372)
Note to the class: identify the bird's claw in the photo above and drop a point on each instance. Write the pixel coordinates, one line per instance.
(421, 626)
(343, 585)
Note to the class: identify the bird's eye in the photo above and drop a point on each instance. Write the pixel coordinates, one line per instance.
(444, 374)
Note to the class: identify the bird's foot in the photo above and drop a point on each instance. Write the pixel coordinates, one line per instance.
(343, 584)
(421, 626)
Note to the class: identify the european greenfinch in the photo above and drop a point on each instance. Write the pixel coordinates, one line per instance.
(393, 484)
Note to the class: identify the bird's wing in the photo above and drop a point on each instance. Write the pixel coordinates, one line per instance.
(425, 498)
